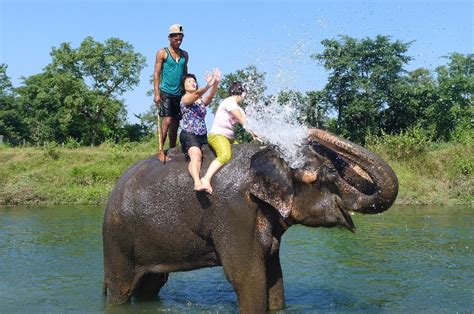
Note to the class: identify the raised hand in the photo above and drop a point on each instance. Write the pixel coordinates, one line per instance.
(217, 75)
(210, 79)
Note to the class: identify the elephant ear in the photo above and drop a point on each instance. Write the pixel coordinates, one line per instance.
(271, 181)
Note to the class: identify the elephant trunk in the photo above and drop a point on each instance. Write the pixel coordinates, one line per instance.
(384, 180)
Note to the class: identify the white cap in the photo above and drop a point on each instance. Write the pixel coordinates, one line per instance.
(176, 29)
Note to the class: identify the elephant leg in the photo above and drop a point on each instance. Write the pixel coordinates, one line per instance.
(119, 287)
(276, 293)
(119, 275)
(242, 260)
(149, 285)
(249, 282)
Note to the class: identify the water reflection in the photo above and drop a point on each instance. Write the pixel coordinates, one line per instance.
(409, 258)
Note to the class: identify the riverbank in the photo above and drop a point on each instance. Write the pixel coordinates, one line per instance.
(442, 174)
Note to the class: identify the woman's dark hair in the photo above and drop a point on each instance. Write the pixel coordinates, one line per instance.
(188, 76)
(236, 88)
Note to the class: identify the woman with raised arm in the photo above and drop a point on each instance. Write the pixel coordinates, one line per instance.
(221, 135)
(193, 109)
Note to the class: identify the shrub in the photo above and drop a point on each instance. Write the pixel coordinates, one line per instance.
(51, 150)
(464, 133)
(461, 162)
(404, 146)
(72, 143)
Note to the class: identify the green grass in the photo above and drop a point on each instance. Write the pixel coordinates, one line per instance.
(440, 174)
(55, 175)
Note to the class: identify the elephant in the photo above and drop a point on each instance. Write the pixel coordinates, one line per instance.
(155, 223)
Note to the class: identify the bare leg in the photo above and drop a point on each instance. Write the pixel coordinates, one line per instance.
(165, 126)
(194, 167)
(174, 124)
(206, 180)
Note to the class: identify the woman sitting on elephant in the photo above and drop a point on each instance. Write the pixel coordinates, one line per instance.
(221, 135)
(194, 133)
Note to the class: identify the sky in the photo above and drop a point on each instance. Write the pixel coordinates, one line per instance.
(277, 36)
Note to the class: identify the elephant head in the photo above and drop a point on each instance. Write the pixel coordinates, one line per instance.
(337, 177)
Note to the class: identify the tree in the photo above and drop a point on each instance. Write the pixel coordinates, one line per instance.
(12, 124)
(254, 83)
(314, 110)
(410, 103)
(53, 107)
(6, 87)
(76, 95)
(454, 107)
(112, 67)
(362, 76)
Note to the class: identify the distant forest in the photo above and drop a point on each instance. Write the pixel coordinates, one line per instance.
(76, 99)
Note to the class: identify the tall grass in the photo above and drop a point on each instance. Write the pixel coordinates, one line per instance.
(428, 172)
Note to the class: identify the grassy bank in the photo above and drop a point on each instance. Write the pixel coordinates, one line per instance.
(55, 175)
(441, 174)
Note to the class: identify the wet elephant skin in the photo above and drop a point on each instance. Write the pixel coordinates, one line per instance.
(155, 223)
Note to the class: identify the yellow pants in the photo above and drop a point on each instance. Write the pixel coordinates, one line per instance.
(221, 145)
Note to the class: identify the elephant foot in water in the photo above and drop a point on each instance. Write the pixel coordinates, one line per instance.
(149, 285)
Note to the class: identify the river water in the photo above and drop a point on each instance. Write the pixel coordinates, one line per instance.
(409, 259)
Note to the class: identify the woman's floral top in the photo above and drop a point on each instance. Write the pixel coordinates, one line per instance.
(193, 118)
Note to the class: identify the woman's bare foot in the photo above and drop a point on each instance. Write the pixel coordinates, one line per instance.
(199, 187)
(207, 185)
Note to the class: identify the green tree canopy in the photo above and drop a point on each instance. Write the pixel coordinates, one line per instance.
(314, 111)
(111, 68)
(363, 74)
(6, 87)
(76, 95)
(253, 81)
(58, 106)
(454, 106)
(12, 124)
(410, 102)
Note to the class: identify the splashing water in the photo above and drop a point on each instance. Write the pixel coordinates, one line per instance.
(275, 121)
(277, 124)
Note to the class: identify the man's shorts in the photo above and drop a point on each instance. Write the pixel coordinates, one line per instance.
(189, 140)
(169, 106)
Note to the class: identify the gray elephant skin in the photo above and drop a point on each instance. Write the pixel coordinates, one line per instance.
(155, 223)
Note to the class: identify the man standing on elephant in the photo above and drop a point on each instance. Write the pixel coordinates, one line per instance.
(171, 64)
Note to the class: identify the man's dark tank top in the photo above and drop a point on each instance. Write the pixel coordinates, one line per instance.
(172, 73)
